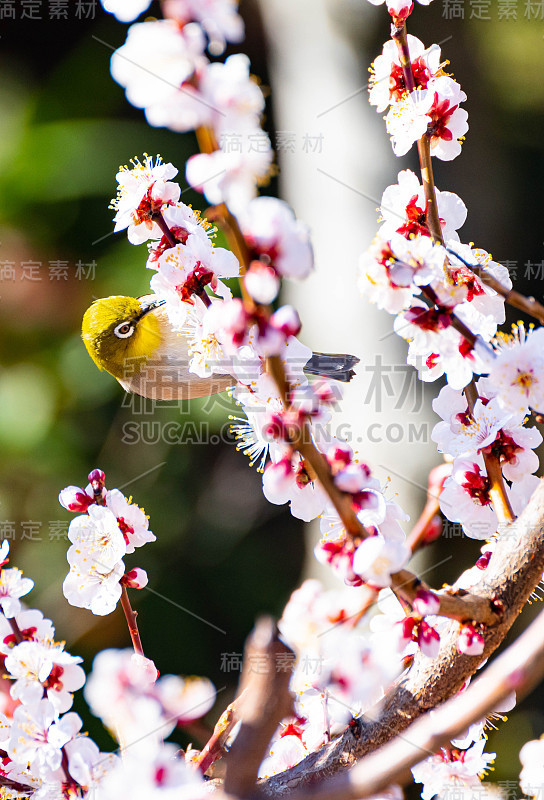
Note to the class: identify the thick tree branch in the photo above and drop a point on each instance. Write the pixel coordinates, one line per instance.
(519, 668)
(514, 571)
(263, 701)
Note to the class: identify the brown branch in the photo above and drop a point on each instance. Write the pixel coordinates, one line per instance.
(461, 606)
(514, 571)
(419, 533)
(263, 701)
(527, 304)
(130, 616)
(497, 490)
(519, 668)
(214, 748)
(399, 36)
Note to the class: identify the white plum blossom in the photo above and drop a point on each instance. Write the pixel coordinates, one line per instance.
(152, 772)
(476, 731)
(155, 61)
(448, 769)
(517, 373)
(188, 267)
(40, 670)
(284, 753)
(38, 735)
(531, 778)
(218, 18)
(94, 586)
(232, 177)
(393, 272)
(466, 499)
(275, 235)
(12, 587)
(32, 625)
(124, 692)
(96, 539)
(222, 96)
(86, 764)
(126, 10)
(436, 348)
(387, 83)
(144, 189)
(489, 429)
(131, 519)
(399, 9)
(376, 558)
(403, 209)
(287, 482)
(433, 111)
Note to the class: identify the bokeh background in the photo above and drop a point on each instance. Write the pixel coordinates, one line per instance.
(223, 555)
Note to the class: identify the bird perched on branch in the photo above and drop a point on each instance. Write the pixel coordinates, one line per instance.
(133, 339)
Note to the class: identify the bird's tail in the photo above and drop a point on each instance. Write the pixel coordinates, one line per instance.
(338, 366)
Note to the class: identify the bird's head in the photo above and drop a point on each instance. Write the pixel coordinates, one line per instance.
(121, 334)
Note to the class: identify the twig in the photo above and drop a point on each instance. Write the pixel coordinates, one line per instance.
(418, 535)
(399, 36)
(497, 490)
(264, 700)
(131, 622)
(213, 750)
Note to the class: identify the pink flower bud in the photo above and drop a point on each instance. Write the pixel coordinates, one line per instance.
(470, 641)
(97, 476)
(286, 320)
(135, 579)
(74, 499)
(483, 561)
(351, 479)
(426, 603)
(326, 393)
(142, 671)
(434, 530)
(339, 456)
(262, 282)
(428, 640)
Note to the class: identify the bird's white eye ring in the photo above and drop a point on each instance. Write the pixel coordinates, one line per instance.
(124, 330)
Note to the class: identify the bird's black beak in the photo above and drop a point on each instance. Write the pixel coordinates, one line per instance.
(150, 307)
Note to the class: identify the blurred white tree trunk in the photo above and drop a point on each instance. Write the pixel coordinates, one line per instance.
(335, 161)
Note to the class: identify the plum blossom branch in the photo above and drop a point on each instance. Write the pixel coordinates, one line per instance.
(514, 571)
(519, 668)
(497, 490)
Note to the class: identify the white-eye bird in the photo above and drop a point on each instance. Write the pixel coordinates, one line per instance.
(133, 339)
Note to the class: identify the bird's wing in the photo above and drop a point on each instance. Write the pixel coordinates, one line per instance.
(165, 375)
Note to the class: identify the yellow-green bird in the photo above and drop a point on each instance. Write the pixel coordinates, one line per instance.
(133, 339)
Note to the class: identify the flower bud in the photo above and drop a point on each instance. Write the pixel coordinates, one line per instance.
(262, 282)
(470, 641)
(428, 640)
(426, 602)
(286, 320)
(135, 579)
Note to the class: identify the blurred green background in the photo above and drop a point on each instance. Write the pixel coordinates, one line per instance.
(222, 552)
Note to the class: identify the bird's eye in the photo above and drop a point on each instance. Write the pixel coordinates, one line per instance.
(124, 330)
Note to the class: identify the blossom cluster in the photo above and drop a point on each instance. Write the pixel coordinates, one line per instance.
(164, 70)
(446, 301)
(107, 528)
(45, 752)
(440, 292)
